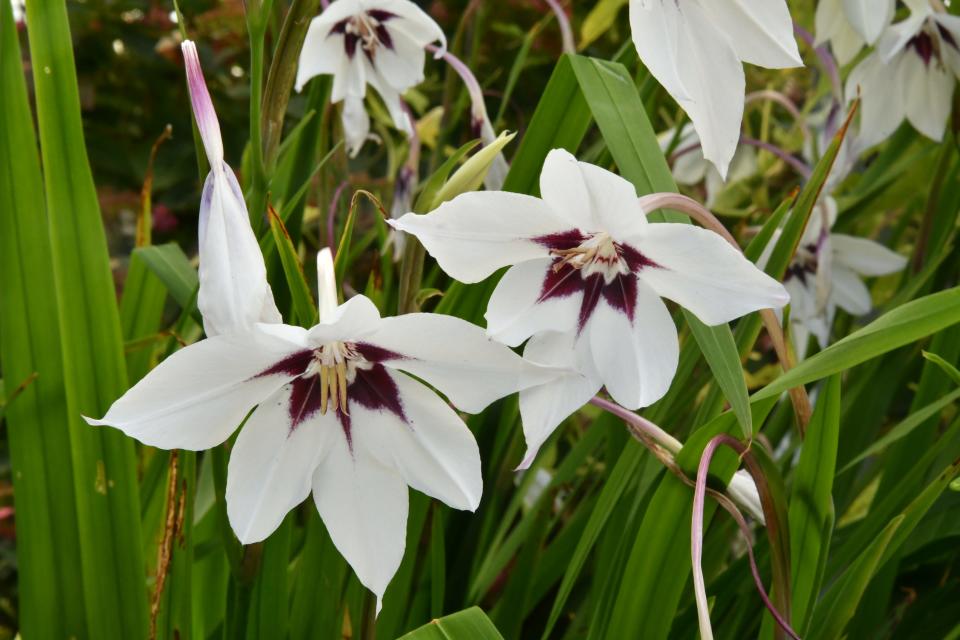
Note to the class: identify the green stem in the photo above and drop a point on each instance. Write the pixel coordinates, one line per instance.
(257, 198)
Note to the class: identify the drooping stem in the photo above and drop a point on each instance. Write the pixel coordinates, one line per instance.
(332, 216)
(826, 60)
(650, 429)
(696, 536)
(565, 31)
(799, 165)
(783, 101)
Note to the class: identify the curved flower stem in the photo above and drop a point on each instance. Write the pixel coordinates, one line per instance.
(799, 165)
(649, 429)
(696, 535)
(332, 216)
(565, 31)
(783, 101)
(826, 60)
(689, 206)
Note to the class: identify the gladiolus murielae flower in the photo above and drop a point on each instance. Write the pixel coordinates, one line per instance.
(234, 292)
(696, 48)
(826, 273)
(368, 42)
(588, 272)
(336, 413)
(690, 168)
(849, 24)
(910, 75)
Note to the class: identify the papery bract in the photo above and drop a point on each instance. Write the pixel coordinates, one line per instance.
(588, 272)
(379, 43)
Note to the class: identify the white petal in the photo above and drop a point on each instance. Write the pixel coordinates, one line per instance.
(197, 397)
(832, 24)
(761, 31)
(849, 292)
(515, 310)
(271, 466)
(457, 358)
(636, 361)
(433, 450)
(363, 505)
(391, 99)
(882, 106)
(350, 79)
(700, 271)
(563, 187)
(869, 17)
(544, 407)
(712, 78)
(656, 30)
(399, 68)
(322, 51)
(613, 201)
(864, 256)
(354, 319)
(356, 124)
(895, 39)
(929, 95)
(477, 233)
(327, 299)
(801, 338)
(412, 21)
(234, 292)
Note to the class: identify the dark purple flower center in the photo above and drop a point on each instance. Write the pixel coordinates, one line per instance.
(339, 376)
(597, 267)
(367, 30)
(928, 43)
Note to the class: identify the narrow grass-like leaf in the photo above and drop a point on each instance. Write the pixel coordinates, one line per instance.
(93, 364)
(903, 325)
(51, 587)
(303, 303)
(811, 505)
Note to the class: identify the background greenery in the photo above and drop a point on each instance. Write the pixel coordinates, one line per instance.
(110, 539)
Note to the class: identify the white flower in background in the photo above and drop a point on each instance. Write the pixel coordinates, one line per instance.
(19, 11)
(368, 42)
(826, 273)
(587, 272)
(910, 75)
(336, 414)
(690, 168)
(849, 24)
(234, 292)
(695, 49)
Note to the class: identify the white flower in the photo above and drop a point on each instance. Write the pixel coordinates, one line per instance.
(849, 24)
(690, 168)
(368, 42)
(19, 11)
(826, 274)
(336, 413)
(587, 275)
(911, 76)
(695, 48)
(234, 292)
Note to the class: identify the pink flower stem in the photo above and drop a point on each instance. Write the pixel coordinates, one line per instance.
(478, 112)
(696, 538)
(826, 60)
(324, 4)
(332, 216)
(648, 428)
(783, 101)
(799, 165)
(565, 31)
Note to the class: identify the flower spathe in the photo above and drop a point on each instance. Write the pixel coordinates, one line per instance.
(234, 292)
(379, 43)
(587, 273)
(910, 76)
(336, 414)
(695, 49)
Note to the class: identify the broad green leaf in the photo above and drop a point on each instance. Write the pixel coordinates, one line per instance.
(903, 325)
(141, 311)
(811, 505)
(470, 624)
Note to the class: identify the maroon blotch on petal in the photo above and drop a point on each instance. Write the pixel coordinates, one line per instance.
(373, 353)
(292, 365)
(562, 240)
(304, 400)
